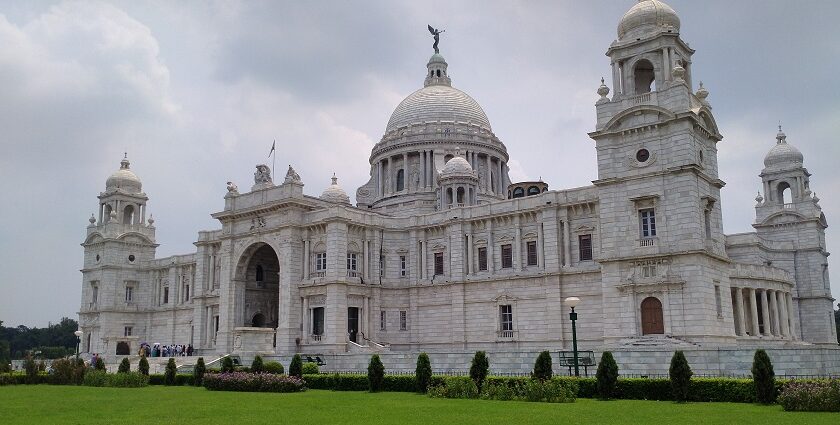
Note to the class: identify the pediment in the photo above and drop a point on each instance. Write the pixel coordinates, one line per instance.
(584, 228)
(784, 217)
(639, 116)
(505, 297)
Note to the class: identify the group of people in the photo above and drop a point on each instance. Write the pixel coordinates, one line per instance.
(171, 350)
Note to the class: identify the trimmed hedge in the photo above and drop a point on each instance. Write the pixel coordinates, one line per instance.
(519, 389)
(180, 379)
(253, 382)
(273, 367)
(344, 382)
(308, 368)
(98, 378)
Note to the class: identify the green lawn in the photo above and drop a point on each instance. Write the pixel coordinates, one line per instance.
(43, 404)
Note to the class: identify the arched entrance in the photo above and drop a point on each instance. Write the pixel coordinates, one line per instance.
(123, 349)
(652, 322)
(257, 276)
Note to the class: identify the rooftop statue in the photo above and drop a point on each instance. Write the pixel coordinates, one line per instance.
(436, 32)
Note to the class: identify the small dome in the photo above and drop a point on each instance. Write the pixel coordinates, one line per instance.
(437, 103)
(124, 179)
(335, 194)
(647, 17)
(437, 58)
(457, 166)
(783, 154)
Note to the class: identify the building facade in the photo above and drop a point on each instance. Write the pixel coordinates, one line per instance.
(442, 252)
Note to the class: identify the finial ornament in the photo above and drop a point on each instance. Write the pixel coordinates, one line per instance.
(92, 219)
(781, 137)
(603, 91)
(436, 33)
(334, 179)
(759, 199)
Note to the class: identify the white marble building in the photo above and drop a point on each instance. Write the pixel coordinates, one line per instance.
(443, 253)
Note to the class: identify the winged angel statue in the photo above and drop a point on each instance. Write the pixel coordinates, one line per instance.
(436, 32)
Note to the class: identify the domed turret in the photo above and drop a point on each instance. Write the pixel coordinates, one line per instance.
(647, 17)
(457, 166)
(335, 194)
(783, 155)
(124, 179)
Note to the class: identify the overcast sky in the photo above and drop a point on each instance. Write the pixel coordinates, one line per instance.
(196, 91)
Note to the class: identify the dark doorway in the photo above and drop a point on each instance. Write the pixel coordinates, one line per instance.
(258, 321)
(652, 322)
(353, 323)
(123, 349)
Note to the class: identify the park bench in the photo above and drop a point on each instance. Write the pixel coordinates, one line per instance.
(585, 360)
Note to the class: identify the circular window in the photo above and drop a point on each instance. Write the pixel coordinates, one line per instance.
(131, 258)
(642, 155)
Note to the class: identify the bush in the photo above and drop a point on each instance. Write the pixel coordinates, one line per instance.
(169, 376)
(479, 368)
(31, 369)
(257, 365)
(376, 373)
(607, 376)
(455, 387)
(542, 367)
(764, 378)
(5, 367)
(310, 368)
(680, 374)
(227, 365)
(198, 372)
(296, 366)
(274, 368)
(98, 378)
(811, 396)
(254, 382)
(99, 364)
(67, 372)
(180, 380)
(42, 366)
(125, 366)
(423, 372)
(143, 366)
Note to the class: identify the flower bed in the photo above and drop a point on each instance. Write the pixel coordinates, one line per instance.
(253, 382)
(811, 396)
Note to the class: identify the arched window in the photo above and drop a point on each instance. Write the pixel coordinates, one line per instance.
(509, 194)
(449, 197)
(652, 321)
(518, 192)
(447, 157)
(643, 76)
(460, 195)
(784, 193)
(533, 190)
(128, 214)
(400, 180)
(438, 73)
(260, 273)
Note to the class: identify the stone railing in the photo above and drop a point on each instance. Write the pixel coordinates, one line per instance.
(647, 242)
(755, 271)
(318, 274)
(505, 334)
(315, 338)
(354, 273)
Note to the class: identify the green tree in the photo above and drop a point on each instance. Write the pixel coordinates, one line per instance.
(423, 373)
(198, 372)
(542, 367)
(125, 366)
(257, 365)
(99, 364)
(143, 367)
(296, 366)
(764, 378)
(680, 374)
(607, 376)
(376, 373)
(479, 368)
(227, 364)
(169, 375)
(31, 369)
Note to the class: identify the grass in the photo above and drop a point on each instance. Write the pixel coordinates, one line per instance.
(44, 404)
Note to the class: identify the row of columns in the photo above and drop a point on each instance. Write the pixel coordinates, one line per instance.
(119, 206)
(620, 76)
(364, 269)
(776, 312)
(387, 169)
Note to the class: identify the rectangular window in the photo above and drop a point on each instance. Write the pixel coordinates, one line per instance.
(707, 216)
(320, 261)
(585, 247)
(506, 317)
(318, 321)
(718, 301)
(186, 293)
(383, 320)
(649, 270)
(94, 296)
(166, 295)
(647, 223)
(352, 261)
(381, 265)
(403, 271)
(127, 331)
(403, 320)
(215, 326)
(482, 259)
(438, 263)
(129, 293)
(531, 248)
(507, 256)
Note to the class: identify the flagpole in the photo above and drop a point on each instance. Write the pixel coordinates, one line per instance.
(273, 157)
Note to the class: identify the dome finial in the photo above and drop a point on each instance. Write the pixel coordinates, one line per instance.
(124, 164)
(334, 179)
(781, 137)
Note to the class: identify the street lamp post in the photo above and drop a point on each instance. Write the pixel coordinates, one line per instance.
(572, 302)
(78, 334)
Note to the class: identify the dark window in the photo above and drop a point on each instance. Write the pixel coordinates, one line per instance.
(533, 190)
(585, 247)
(403, 271)
(131, 258)
(532, 252)
(400, 180)
(507, 256)
(482, 259)
(506, 317)
(260, 273)
(642, 155)
(383, 320)
(166, 295)
(438, 73)
(647, 222)
(518, 192)
(320, 261)
(403, 320)
(318, 321)
(438, 263)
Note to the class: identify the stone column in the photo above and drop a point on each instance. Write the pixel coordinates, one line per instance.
(489, 188)
(423, 257)
(379, 191)
(754, 312)
(423, 167)
(774, 298)
(305, 320)
(540, 247)
(366, 318)
(666, 64)
(406, 176)
(567, 244)
(783, 310)
(365, 255)
(616, 79)
(740, 315)
(491, 262)
(765, 313)
(499, 188)
(470, 252)
(306, 258)
(517, 247)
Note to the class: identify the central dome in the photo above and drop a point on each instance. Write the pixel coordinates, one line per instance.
(646, 17)
(438, 103)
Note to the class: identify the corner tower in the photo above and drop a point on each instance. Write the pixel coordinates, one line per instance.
(664, 267)
(425, 131)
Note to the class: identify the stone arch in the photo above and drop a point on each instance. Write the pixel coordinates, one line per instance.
(128, 214)
(254, 296)
(784, 193)
(653, 321)
(123, 349)
(644, 76)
